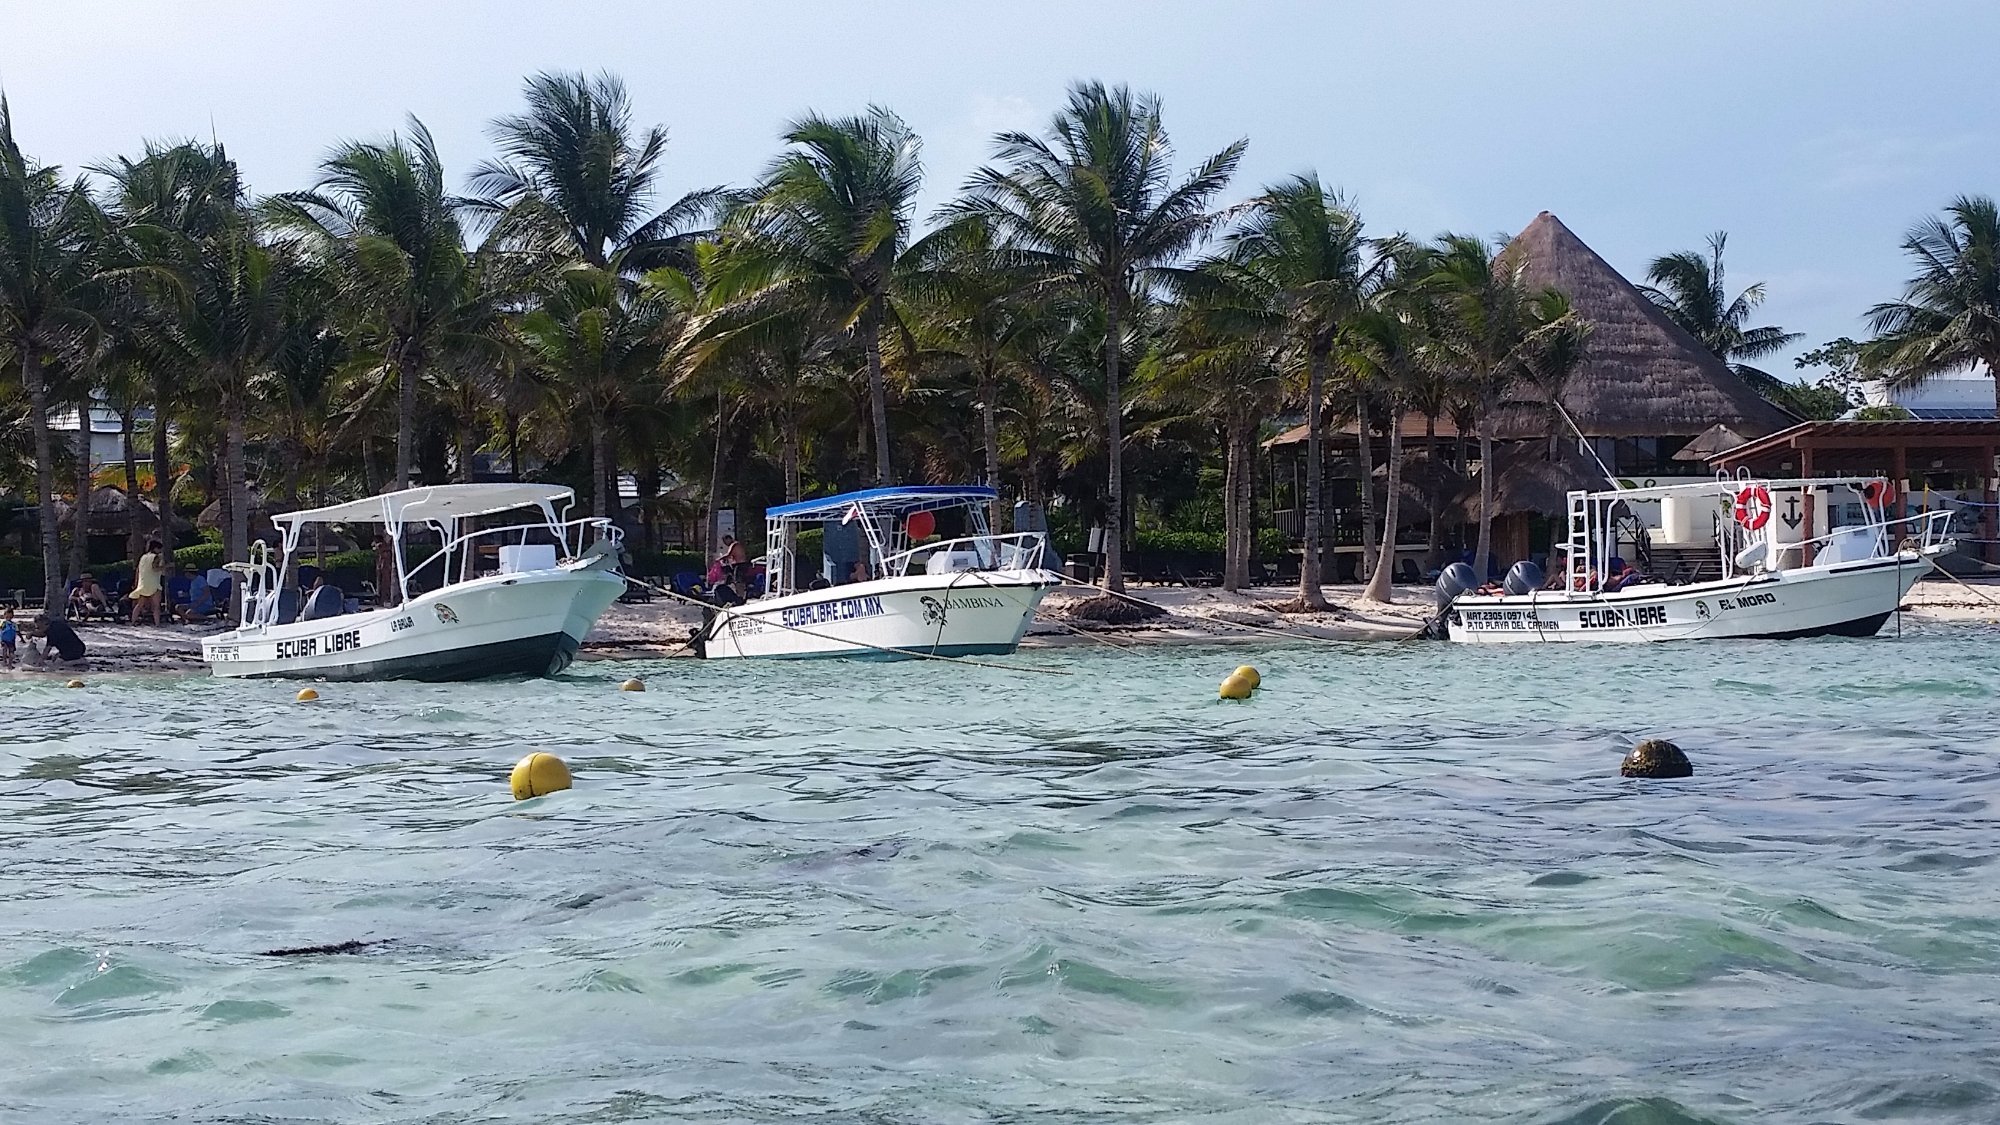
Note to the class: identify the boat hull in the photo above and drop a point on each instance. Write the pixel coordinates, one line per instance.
(971, 613)
(1845, 600)
(529, 624)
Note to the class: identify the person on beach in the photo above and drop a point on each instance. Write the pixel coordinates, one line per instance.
(88, 597)
(734, 560)
(10, 635)
(54, 642)
(146, 583)
(201, 599)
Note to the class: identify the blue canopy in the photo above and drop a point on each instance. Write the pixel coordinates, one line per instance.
(905, 498)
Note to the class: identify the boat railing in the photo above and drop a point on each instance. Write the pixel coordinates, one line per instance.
(1924, 531)
(560, 531)
(258, 579)
(1021, 550)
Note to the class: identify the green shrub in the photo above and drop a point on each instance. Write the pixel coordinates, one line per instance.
(201, 556)
(20, 572)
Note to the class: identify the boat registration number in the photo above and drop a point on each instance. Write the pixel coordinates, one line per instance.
(1505, 621)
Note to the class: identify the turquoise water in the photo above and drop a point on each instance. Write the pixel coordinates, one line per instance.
(1404, 883)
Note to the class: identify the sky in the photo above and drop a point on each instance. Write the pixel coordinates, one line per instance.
(1814, 131)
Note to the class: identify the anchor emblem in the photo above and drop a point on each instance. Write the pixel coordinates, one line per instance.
(1792, 517)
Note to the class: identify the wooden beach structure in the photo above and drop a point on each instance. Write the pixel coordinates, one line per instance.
(1646, 393)
(1928, 464)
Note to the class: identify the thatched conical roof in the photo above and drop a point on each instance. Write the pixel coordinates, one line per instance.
(1712, 441)
(1644, 375)
(113, 511)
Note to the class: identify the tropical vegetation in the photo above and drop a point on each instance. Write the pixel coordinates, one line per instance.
(1089, 326)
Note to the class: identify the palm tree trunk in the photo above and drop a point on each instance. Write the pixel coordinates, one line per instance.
(793, 486)
(1246, 502)
(36, 382)
(600, 459)
(989, 425)
(1114, 419)
(163, 468)
(1381, 584)
(878, 394)
(406, 418)
(1485, 547)
(135, 534)
(714, 530)
(237, 547)
(79, 540)
(1434, 539)
(1315, 530)
(1365, 566)
(513, 445)
(1231, 471)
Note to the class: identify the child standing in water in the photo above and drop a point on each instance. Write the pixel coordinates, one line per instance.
(10, 633)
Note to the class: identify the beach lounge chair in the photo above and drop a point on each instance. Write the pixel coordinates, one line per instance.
(180, 588)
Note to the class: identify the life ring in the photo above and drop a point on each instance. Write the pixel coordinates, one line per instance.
(1875, 493)
(1753, 507)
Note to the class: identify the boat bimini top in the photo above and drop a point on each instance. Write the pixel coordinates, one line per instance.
(893, 526)
(445, 508)
(438, 503)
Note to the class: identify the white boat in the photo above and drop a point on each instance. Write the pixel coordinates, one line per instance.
(519, 607)
(1730, 557)
(965, 596)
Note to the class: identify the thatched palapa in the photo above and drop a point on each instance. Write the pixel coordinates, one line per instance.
(1644, 375)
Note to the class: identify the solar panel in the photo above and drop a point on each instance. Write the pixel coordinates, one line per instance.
(1950, 413)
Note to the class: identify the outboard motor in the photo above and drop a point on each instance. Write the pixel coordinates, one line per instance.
(1523, 577)
(1458, 578)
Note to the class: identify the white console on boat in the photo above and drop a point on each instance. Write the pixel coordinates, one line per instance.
(517, 558)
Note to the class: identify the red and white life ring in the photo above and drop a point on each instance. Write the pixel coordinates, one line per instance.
(1875, 493)
(1753, 507)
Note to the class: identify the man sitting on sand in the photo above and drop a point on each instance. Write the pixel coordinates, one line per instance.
(54, 643)
(201, 600)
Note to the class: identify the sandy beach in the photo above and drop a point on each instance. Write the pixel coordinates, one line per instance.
(657, 629)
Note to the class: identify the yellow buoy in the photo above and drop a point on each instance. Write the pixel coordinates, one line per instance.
(1236, 686)
(74, 683)
(307, 695)
(632, 685)
(538, 775)
(1249, 672)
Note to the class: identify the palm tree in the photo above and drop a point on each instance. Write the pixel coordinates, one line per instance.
(382, 217)
(1092, 206)
(51, 277)
(1388, 346)
(1304, 247)
(1689, 289)
(1492, 326)
(1227, 368)
(232, 324)
(168, 204)
(1949, 317)
(831, 218)
(969, 300)
(600, 349)
(575, 180)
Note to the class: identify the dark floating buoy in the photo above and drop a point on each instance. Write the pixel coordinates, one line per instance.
(1656, 757)
(321, 950)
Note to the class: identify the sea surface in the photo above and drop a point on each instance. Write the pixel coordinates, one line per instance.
(1403, 883)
